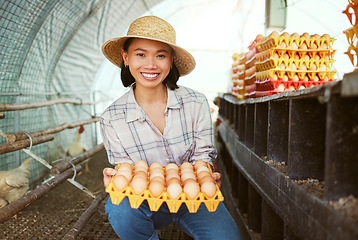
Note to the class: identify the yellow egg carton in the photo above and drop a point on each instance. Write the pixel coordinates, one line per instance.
(272, 42)
(273, 63)
(292, 53)
(173, 204)
(290, 73)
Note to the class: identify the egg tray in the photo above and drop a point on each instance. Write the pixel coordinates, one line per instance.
(274, 63)
(290, 73)
(272, 42)
(238, 82)
(322, 53)
(173, 204)
(272, 85)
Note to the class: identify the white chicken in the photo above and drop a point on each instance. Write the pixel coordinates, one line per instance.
(77, 147)
(14, 183)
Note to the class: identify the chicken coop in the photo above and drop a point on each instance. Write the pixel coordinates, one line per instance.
(288, 161)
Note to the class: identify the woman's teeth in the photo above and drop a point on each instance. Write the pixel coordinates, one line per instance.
(150, 75)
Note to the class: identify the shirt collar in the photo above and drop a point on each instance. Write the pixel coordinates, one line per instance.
(135, 112)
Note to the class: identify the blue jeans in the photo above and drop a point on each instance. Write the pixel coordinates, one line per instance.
(141, 223)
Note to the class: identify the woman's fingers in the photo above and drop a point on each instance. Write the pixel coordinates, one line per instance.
(217, 178)
(107, 175)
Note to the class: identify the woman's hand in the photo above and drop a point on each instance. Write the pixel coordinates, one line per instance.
(217, 178)
(107, 175)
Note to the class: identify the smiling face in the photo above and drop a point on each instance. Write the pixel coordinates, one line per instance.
(149, 61)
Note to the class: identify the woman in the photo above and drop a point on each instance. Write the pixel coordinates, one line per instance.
(158, 121)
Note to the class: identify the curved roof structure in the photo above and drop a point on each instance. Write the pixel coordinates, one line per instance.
(50, 49)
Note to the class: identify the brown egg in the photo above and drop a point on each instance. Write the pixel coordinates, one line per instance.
(281, 88)
(274, 34)
(208, 188)
(285, 78)
(141, 163)
(283, 45)
(275, 56)
(138, 184)
(291, 88)
(157, 171)
(185, 176)
(171, 171)
(323, 67)
(313, 46)
(313, 67)
(274, 77)
(206, 179)
(126, 174)
(173, 180)
(125, 164)
(305, 78)
(186, 170)
(171, 166)
(203, 174)
(303, 46)
(326, 36)
(191, 188)
(293, 45)
(306, 35)
(303, 68)
(301, 87)
(295, 78)
(286, 35)
(155, 165)
(296, 57)
(293, 67)
(141, 174)
(285, 56)
(199, 163)
(186, 165)
(282, 66)
(174, 190)
(172, 175)
(156, 174)
(295, 35)
(140, 168)
(156, 188)
(202, 168)
(157, 179)
(120, 182)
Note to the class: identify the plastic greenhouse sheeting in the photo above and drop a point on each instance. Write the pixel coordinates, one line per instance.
(50, 49)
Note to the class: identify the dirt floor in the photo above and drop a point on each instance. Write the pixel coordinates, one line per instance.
(52, 216)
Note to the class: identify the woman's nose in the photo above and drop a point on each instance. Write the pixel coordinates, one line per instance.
(150, 63)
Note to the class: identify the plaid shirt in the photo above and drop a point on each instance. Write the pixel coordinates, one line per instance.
(129, 135)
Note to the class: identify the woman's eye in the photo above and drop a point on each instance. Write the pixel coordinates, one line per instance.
(140, 54)
(161, 56)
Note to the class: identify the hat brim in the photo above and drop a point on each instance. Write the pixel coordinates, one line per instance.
(183, 60)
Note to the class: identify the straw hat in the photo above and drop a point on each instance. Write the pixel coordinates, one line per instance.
(153, 28)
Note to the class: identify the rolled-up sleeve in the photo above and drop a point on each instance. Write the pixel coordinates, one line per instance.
(204, 135)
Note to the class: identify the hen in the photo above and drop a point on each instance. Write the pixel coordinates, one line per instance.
(77, 147)
(14, 183)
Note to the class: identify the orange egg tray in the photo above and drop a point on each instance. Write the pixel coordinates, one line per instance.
(276, 63)
(272, 42)
(322, 53)
(155, 202)
(290, 73)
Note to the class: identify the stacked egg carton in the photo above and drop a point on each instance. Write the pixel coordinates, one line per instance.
(193, 185)
(250, 67)
(289, 62)
(351, 33)
(238, 76)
